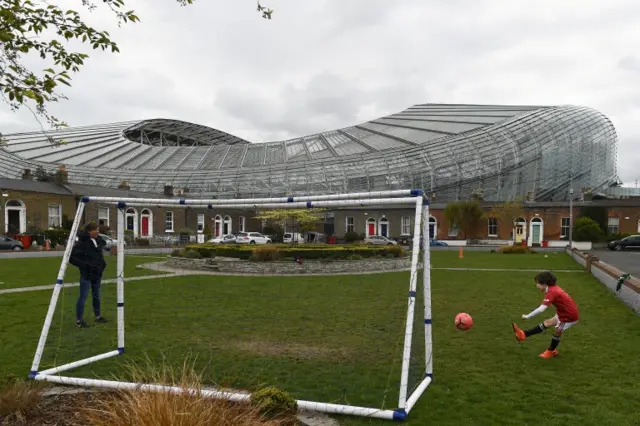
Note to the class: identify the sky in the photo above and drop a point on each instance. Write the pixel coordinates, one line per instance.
(324, 64)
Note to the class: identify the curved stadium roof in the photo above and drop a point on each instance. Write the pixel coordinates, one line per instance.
(450, 150)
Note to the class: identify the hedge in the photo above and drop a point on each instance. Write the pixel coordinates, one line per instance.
(281, 251)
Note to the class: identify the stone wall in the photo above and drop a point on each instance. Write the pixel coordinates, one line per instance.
(291, 267)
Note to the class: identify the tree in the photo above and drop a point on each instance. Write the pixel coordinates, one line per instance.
(465, 215)
(29, 27)
(507, 212)
(301, 220)
(587, 229)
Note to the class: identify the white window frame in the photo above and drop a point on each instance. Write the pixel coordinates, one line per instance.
(564, 229)
(200, 225)
(168, 214)
(349, 227)
(58, 207)
(241, 223)
(406, 225)
(613, 224)
(492, 223)
(102, 218)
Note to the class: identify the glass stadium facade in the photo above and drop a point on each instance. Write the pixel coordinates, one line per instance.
(452, 151)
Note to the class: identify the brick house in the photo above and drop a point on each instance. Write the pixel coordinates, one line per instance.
(28, 206)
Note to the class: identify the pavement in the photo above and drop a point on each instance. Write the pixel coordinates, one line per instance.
(627, 261)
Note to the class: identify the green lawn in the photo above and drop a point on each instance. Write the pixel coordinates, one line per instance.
(339, 339)
(28, 272)
(481, 259)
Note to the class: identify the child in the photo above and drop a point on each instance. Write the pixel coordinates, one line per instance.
(566, 313)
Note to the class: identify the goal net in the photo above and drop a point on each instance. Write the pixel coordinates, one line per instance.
(348, 344)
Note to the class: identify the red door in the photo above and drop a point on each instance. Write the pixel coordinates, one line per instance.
(145, 226)
(372, 229)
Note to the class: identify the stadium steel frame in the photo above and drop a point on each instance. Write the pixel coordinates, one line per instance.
(451, 151)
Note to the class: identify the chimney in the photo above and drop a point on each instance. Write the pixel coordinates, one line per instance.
(26, 174)
(124, 185)
(168, 190)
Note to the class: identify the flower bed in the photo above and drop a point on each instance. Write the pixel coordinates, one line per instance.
(272, 252)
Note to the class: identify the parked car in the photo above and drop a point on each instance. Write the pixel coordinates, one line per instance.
(252, 238)
(223, 239)
(378, 240)
(630, 242)
(436, 243)
(293, 237)
(7, 243)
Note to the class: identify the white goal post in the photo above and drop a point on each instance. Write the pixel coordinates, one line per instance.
(421, 240)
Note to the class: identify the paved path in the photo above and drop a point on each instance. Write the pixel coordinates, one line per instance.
(627, 261)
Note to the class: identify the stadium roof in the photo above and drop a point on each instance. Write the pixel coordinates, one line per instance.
(432, 146)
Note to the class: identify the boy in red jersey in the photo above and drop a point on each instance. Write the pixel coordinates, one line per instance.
(566, 313)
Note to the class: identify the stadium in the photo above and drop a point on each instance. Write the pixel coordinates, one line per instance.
(504, 152)
(452, 152)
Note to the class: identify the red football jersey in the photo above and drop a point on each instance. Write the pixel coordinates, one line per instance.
(566, 308)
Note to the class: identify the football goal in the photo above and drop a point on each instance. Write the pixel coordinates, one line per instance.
(176, 320)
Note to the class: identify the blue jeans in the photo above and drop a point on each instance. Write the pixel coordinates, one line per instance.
(85, 286)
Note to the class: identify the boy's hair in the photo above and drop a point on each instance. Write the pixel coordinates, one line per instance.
(91, 226)
(546, 278)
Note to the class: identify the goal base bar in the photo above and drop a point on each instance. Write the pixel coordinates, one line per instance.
(80, 363)
(323, 407)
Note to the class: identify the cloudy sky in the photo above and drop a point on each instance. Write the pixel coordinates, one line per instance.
(324, 64)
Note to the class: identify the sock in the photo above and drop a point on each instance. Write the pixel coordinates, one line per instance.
(555, 341)
(535, 330)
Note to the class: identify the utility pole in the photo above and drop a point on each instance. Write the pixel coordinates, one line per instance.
(570, 218)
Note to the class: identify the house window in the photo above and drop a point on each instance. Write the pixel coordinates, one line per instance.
(55, 215)
(614, 225)
(200, 223)
(564, 227)
(241, 223)
(453, 231)
(103, 216)
(168, 221)
(493, 227)
(351, 224)
(406, 225)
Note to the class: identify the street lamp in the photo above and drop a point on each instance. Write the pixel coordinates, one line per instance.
(570, 218)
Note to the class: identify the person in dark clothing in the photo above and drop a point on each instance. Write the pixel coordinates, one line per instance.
(88, 258)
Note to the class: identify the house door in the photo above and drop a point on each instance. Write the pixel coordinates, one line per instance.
(13, 222)
(535, 237)
(372, 229)
(519, 233)
(145, 226)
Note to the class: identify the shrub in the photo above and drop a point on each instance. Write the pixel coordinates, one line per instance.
(16, 398)
(587, 229)
(274, 403)
(514, 250)
(266, 253)
(350, 237)
(192, 254)
(142, 242)
(176, 253)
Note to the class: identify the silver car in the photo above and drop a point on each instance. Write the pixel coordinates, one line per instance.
(379, 240)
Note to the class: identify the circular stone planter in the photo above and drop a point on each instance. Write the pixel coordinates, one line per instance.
(291, 267)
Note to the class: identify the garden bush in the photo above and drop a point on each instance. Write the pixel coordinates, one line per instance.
(514, 249)
(587, 229)
(308, 252)
(274, 403)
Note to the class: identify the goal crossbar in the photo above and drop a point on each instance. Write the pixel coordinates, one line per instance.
(406, 401)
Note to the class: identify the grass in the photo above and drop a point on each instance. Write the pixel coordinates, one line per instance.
(28, 272)
(339, 339)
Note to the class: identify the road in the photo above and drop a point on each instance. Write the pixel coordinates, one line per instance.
(627, 261)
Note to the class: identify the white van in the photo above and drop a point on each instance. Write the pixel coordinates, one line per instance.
(293, 237)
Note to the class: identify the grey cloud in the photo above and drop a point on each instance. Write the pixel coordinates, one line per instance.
(629, 63)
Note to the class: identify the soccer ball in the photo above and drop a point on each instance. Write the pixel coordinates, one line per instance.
(463, 321)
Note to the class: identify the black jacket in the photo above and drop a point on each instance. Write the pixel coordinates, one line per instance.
(87, 257)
